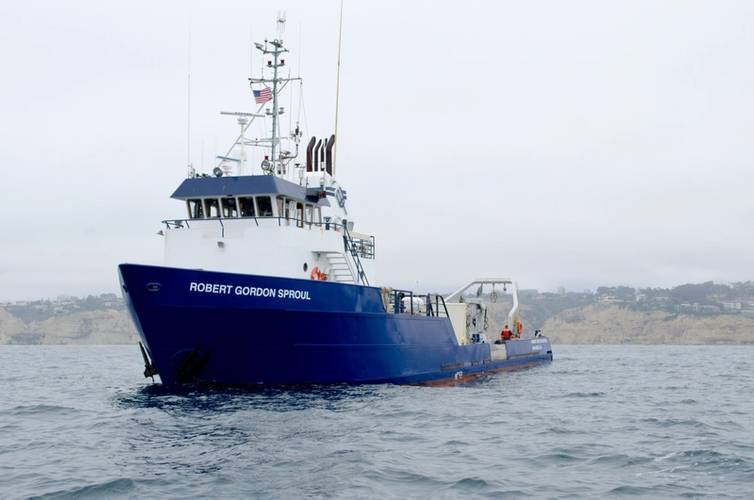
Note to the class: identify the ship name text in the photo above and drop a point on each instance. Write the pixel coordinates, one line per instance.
(249, 291)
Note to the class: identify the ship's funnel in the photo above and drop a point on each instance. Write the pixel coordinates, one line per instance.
(316, 155)
(309, 148)
(328, 154)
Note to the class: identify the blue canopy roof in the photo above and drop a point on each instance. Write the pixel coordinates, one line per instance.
(247, 185)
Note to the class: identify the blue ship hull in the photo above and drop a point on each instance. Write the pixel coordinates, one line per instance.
(210, 327)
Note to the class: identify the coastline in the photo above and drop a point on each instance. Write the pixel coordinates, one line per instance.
(595, 324)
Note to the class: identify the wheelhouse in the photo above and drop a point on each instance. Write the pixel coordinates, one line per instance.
(252, 196)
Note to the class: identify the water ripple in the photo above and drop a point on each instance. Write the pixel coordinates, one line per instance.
(80, 422)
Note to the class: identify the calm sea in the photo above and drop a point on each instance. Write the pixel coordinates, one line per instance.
(599, 421)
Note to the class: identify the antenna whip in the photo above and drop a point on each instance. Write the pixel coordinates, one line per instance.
(189, 167)
(337, 91)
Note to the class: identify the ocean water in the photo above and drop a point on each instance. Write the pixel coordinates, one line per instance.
(653, 421)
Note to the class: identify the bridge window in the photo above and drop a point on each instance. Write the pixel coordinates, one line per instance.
(247, 206)
(229, 207)
(300, 214)
(195, 209)
(309, 214)
(212, 207)
(264, 206)
(281, 206)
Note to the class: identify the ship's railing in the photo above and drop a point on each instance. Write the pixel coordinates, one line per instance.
(407, 302)
(363, 245)
(356, 251)
(280, 221)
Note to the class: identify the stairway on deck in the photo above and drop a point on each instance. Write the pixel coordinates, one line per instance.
(340, 269)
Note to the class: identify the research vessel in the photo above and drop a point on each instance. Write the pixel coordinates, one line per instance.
(269, 279)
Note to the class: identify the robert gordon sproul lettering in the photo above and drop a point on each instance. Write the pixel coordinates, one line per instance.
(249, 291)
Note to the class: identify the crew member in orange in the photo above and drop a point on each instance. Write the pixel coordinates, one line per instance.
(506, 333)
(519, 328)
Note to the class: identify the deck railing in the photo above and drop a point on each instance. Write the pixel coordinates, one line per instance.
(356, 250)
(431, 304)
(362, 245)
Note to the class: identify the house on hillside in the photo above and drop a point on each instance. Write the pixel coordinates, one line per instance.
(734, 306)
(697, 308)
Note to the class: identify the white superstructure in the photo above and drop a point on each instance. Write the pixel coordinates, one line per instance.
(279, 217)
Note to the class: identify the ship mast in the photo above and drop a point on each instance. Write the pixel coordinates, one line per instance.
(278, 49)
(275, 49)
(277, 161)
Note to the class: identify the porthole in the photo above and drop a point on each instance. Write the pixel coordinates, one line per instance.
(306, 267)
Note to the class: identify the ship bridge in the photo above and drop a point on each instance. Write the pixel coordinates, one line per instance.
(251, 196)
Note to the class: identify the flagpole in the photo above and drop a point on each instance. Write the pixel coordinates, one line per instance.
(337, 91)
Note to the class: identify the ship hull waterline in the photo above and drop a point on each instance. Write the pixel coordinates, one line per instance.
(230, 329)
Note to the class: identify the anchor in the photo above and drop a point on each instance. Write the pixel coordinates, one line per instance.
(149, 369)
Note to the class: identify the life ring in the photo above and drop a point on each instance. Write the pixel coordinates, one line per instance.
(317, 275)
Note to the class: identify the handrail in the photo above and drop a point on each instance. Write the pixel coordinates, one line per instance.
(365, 248)
(178, 223)
(442, 299)
(351, 248)
(435, 311)
(432, 307)
(398, 296)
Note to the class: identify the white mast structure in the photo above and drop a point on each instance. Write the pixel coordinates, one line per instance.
(277, 162)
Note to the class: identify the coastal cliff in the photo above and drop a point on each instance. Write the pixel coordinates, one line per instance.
(612, 324)
(108, 326)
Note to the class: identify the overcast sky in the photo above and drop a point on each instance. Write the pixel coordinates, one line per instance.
(566, 144)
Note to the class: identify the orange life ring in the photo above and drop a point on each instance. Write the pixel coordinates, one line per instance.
(318, 275)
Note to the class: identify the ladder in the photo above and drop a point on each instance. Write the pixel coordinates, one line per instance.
(351, 248)
(340, 268)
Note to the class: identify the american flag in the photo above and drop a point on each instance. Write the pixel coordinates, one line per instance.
(262, 96)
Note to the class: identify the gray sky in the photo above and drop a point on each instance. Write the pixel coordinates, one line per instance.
(564, 143)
